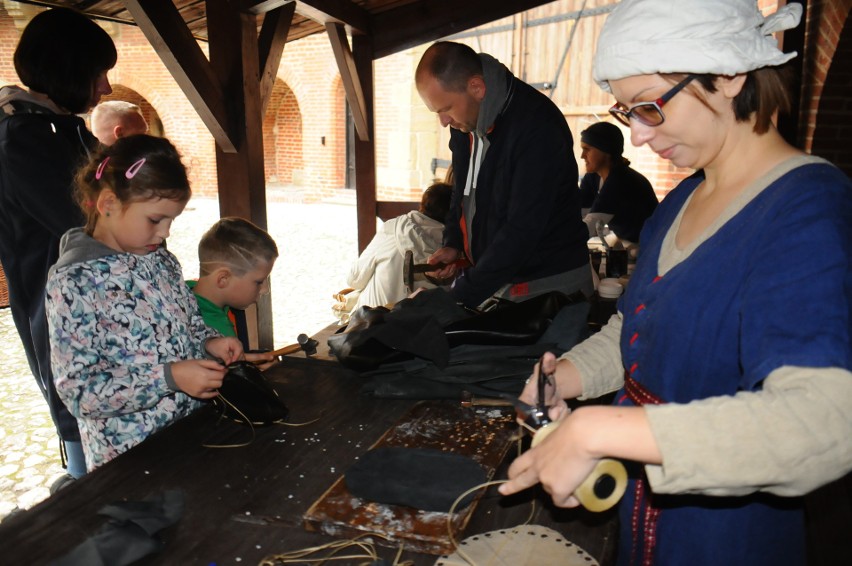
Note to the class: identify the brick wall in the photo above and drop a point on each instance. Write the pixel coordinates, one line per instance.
(826, 120)
(304, 128)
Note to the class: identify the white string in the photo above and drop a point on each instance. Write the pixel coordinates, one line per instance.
(368, 549)
(247, 421)
(458, 500)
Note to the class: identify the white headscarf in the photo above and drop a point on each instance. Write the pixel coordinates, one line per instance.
(720, 37)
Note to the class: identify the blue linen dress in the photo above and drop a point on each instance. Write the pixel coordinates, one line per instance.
(770, 288)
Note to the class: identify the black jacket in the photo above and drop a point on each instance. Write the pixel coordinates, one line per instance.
(629, 197)
(527, 223)
(40, 151)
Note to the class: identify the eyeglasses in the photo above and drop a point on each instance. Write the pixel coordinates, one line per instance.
(648, 113)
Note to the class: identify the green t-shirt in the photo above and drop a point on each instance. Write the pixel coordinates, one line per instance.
(214, 317)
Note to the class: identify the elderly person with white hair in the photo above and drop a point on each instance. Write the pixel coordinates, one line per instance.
(732, 395)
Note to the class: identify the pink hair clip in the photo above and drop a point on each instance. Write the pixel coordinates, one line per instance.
(100, 170)
(133, 169)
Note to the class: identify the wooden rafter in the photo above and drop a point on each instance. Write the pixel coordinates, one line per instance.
(270, 47)
(416, 23)
(258, 7)
(336, 11)
(170, 37)
(349, 75)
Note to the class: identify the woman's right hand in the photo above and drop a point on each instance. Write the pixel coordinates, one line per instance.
(558, 407)
(199, 378)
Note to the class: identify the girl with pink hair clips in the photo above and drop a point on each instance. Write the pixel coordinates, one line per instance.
(129, 348)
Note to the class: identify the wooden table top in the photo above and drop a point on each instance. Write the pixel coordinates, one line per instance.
(243, 504)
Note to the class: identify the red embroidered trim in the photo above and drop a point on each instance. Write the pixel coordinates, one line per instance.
(641, 396)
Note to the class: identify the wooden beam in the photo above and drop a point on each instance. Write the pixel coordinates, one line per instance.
(349, 75)
(416, 23)
(365, 150)
(336, 11)
(258, 7)
(270, 48)
(235, 62)
(168, 34)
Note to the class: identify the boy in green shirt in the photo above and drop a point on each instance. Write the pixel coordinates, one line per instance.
(236, 258)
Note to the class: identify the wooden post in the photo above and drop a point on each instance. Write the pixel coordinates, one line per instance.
(365, 150)
(242, 186)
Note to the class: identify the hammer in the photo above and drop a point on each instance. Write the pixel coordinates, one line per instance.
(468, 401)
(409, 268)
(309, 345)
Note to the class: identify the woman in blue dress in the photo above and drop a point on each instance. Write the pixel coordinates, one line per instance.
(730, 351)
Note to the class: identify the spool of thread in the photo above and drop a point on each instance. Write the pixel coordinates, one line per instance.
(603, 487)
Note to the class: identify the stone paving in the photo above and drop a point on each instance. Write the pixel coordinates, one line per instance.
(317, 243)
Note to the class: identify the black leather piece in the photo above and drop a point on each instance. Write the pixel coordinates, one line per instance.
(246, 394)
(511, 323)
(130, 533)
(422, 478)
(428, 325)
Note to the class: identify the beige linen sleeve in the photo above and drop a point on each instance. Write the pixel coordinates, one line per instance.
(788, 439)
(598, 359)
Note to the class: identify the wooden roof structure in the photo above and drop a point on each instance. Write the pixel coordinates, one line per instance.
(230, 89)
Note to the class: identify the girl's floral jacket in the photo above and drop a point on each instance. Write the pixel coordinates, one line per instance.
(117, 321)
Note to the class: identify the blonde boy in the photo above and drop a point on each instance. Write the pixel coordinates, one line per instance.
(236, 258)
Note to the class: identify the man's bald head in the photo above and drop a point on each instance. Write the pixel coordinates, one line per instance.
(452, 64)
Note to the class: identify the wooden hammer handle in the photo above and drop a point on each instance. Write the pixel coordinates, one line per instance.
(285, 350)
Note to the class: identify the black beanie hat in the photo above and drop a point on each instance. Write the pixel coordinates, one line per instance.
(605, 137)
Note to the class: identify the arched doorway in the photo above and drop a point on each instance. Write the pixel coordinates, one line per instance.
(282, 138)
(120, 92)
(832, 139)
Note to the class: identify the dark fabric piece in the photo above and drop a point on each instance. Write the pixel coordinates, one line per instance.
(484, 370)
(511, 322)
(488, 371)
(425, 479)
(246, 394)
(130, 533)
(414, 327)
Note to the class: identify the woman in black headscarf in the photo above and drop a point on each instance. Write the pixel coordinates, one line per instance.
(624, 198)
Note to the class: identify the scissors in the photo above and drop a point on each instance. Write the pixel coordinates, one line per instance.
(536, 416)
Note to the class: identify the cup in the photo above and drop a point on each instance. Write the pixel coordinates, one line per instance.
(616, 263)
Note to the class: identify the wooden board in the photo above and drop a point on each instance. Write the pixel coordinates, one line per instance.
(481, 433)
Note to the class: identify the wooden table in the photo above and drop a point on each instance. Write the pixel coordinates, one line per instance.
(242, 504)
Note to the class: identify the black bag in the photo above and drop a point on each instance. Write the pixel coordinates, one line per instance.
(247, 397)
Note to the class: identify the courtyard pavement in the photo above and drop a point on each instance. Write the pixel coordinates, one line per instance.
(317, 243)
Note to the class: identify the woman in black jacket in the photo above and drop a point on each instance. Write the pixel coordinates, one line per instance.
(62, 58)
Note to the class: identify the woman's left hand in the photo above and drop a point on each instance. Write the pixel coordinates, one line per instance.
(226, 348)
